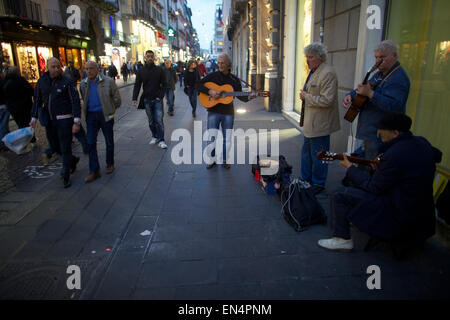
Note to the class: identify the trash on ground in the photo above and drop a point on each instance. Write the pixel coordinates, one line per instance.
(146, 233)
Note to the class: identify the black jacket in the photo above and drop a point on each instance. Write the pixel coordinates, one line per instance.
(112, 71)
(55, 97)
(402, 185)
(152, 78)
(171, 77)
(18, 94)
(220, 79)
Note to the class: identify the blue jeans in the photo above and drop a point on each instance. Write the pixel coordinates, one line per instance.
(312, 169)
(155, 114)
(4, 123)
(215, 120)
(170, 99)
(180, 78)
(96, 121)
(342, 201)
(193, 98)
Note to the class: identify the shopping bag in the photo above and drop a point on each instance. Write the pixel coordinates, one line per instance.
(19, 139)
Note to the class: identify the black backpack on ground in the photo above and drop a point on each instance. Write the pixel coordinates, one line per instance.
(300, 207)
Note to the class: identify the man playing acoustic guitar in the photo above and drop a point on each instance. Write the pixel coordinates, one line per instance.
(387, 90)
(396, 202)
(222, 115)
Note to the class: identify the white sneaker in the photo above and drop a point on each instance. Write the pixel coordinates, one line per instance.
(336, 244)
(153, 141)
(162, 145)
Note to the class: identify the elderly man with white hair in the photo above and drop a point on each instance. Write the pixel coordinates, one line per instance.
(222, 115)
(387, 91)
(321, 114)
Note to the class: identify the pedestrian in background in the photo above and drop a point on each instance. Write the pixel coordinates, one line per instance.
(201, 68)
(151, 78)
(112, 72)
(18, 94)
(57, 104)
(191, 77)
(124, 71)
(171, 79)
(101, 98)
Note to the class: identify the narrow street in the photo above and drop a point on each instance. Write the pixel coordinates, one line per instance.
(156, 230)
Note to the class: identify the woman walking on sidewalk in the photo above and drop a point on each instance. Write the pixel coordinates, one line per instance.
(191, 77)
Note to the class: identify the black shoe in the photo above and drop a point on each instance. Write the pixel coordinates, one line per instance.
(193, 114)
(209, 166)
(316, 189)
(73, 167)
(226, 165)
(170, 113)
(67, 183)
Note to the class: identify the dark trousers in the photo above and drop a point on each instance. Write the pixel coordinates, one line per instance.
(96, 121)
(80, 135)
(59, 135)
(342, 201)
(193, 98)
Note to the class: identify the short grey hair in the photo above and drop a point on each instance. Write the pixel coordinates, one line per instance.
(387, 45)
(227, 58)
(318, 49)
(90, 61)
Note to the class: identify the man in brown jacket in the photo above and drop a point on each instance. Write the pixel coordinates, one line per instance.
(321, 114)
(101, 98)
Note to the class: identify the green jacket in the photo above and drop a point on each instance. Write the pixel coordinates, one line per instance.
(108, 93)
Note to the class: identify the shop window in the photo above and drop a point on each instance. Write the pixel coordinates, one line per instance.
(44, 54)
(420, 27)
(62, 56)
(28, 62)
(7, 54)
(304, 16)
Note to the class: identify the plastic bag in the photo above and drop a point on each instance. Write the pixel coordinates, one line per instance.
(18, 140)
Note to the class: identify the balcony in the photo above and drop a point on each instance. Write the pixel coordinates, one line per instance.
(24, 9)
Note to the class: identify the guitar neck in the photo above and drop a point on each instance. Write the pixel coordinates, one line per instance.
(237, 94)
(366, 162)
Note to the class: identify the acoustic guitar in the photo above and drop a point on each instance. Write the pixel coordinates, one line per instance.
(227, 94)
(327, 156)
(359, 101)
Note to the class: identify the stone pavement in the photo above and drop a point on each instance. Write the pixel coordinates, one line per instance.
(211, 234)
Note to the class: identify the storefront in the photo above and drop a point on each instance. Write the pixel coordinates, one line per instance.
(420, 27)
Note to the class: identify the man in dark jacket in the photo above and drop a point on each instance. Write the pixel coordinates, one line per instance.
(396, 203)
(152, 78)
(19, 97)
(112, 72)
(57, 104)
(171, 79)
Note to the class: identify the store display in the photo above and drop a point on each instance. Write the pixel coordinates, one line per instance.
(7, 53)
(44, 54)
(28, 62)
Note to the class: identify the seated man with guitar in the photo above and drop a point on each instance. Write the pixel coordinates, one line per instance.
(395, 203)
(212, 90)
(386, 91)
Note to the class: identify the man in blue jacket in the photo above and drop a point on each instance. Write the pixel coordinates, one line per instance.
(396, 202)
(387, 91)
(57, 104)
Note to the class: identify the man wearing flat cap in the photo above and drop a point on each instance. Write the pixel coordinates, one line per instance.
(394, 204)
